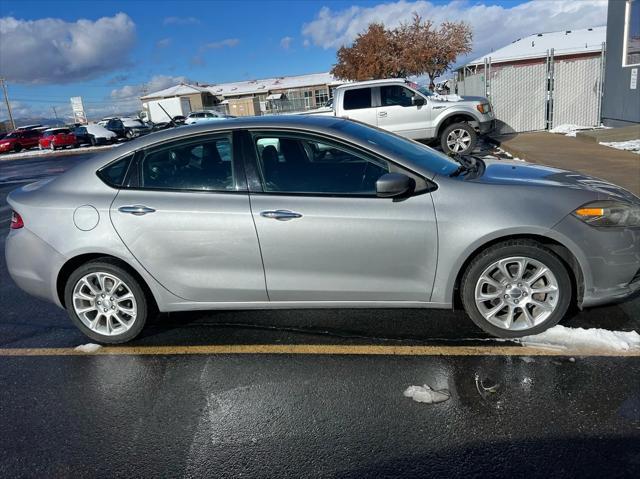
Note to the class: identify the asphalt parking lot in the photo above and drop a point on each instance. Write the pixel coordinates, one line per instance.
(304, 393)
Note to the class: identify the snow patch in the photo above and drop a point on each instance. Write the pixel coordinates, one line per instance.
(561, 337)
(569, 129)
(452, 97)
(47, 152)
(630, 145)
(426, 394)
(88, 348)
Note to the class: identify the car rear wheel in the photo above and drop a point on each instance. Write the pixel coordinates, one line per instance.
(458, 139)
(106, 302)
(516, 288)
(92, 140)
(52, 146)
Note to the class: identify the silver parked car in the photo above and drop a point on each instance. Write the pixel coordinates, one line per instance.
(308, 212)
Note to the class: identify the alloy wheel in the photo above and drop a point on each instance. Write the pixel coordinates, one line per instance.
(458, 140)
(517, 293)
(104, 303)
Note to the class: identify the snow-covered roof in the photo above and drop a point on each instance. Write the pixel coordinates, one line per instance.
(249, 87)
(565, 42)
(176, 90)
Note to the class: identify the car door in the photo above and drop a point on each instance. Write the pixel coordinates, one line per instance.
(357, 104)
(325, 235)
(398, 113)
(185, 216)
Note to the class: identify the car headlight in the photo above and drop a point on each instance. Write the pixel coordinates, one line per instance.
(609, 213)
(483, 107)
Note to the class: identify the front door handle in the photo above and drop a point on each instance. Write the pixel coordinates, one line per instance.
(280, 215)
(137, 210)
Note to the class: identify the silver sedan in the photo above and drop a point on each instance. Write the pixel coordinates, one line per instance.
(295, 212)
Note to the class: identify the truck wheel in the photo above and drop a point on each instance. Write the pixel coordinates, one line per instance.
(458, 138)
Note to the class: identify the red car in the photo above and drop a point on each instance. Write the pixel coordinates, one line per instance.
(57, 138)
(19, 139)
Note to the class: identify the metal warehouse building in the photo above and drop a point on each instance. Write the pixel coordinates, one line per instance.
(255, 97)
(541, 81)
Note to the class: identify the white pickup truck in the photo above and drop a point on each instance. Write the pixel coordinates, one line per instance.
(416, 113)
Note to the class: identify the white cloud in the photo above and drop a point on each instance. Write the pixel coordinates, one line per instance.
(181, 21)
(493, 26)
(157, 82)
(285, 42)
(163, 43)
(228, 42)
(54, 51)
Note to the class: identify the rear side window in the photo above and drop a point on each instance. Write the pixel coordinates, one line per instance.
(114, 173)
(357, 98)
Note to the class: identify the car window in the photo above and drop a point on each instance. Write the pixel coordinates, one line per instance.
(203, 164)
(395, 95)
(114, 173)
(357, 98)
(295, 164)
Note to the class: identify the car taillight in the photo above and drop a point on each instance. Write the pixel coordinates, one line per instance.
(16, 221)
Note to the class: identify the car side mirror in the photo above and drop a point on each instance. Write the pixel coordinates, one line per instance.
(391, 185)
(417, 100)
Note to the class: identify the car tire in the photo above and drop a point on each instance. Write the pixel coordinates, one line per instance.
(458, 139)
(92, 140)
(129, 134)
(118, 325)
(17, 148)
(529, 305)
(52, 146)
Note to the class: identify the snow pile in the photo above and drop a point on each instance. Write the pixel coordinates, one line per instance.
(88, 348)
(569, 129)
(452, 97)
(630, 145)
(426, 394)
(561, 337)
(48, 152)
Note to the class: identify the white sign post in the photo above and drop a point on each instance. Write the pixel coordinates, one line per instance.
(79, 115)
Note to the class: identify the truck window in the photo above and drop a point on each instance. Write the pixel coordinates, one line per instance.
(357, 98)
(392, 95)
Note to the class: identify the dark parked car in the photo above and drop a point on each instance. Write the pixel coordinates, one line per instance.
(127, 127)
(94, 134)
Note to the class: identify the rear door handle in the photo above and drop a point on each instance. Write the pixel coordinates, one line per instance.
(137, 210)
(280, 215)
(382, 114)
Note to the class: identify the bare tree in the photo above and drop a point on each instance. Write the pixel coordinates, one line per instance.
(412, 49)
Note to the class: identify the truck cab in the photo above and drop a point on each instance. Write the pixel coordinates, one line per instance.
(407, 110)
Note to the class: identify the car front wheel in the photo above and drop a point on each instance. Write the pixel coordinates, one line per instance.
(516, 288)
(458, 139)
(106, 302)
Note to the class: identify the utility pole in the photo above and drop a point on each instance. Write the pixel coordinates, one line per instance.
(6, 99)
(55, 113)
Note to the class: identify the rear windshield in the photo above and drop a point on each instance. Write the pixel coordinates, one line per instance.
(413, 151)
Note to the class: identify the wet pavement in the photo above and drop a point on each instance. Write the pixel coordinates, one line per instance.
(306, 415)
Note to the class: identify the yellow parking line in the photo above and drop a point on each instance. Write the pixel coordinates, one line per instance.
(318, 349)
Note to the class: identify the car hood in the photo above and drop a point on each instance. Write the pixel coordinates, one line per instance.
(529, 174)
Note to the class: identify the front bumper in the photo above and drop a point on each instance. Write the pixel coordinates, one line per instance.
(33, 264)
(485, 127)
(609, 259)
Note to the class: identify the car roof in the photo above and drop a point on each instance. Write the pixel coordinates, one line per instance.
(371, 83)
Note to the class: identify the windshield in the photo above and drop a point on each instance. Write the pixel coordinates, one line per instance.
(425, 91)
(413, 151)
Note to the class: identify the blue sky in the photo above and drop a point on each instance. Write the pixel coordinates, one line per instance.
(157, 43)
